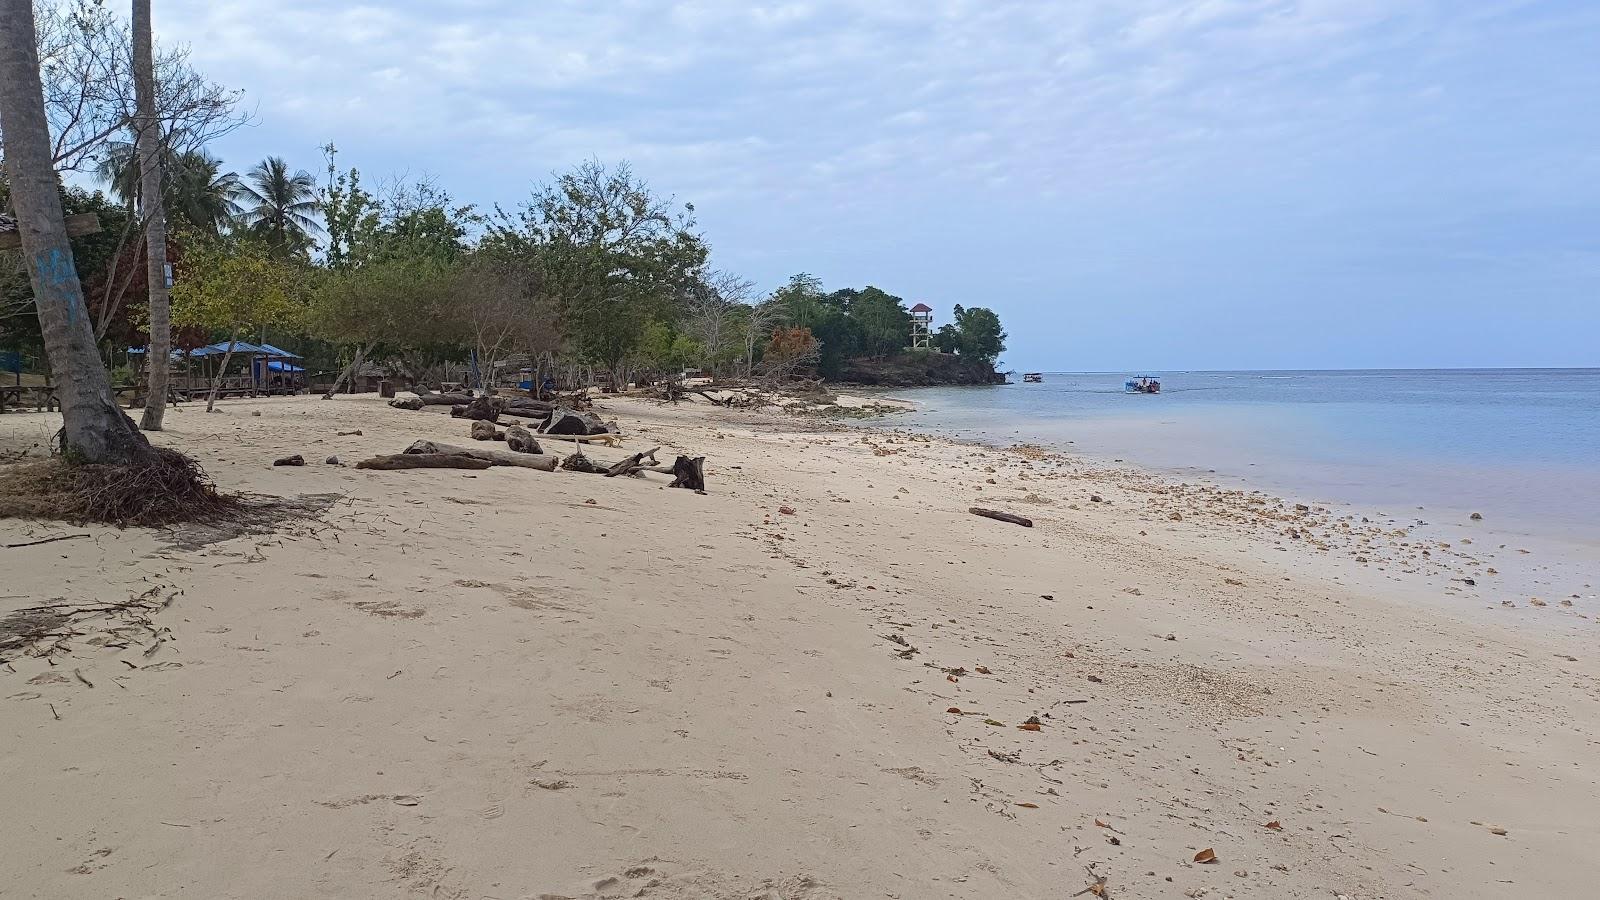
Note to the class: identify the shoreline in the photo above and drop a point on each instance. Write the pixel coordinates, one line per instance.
(691, 695)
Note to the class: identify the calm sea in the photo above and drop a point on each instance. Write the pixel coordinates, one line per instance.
(1522, 446)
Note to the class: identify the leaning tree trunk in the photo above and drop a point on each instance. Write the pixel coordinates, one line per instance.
(94, 428)
(216, 383)
(349, 371)
(154, 212)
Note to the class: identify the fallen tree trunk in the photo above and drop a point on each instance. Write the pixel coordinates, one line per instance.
(361, 352)
(526, 412)
(634, 464)
(1001, 516)
(429, 398)
(577, 462)
(544, 463)
(397, 461)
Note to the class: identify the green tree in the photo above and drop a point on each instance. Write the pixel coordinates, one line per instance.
(279, 205)
(615, 257)
(975, 333)
(237, 287)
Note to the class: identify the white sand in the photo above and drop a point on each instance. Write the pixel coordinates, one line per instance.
(513, 684)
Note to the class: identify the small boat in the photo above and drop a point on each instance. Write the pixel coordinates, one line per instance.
(1033, 377)
(1144, 384)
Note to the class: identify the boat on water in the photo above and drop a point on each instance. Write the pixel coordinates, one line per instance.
(1033, 377)
(1144, 384)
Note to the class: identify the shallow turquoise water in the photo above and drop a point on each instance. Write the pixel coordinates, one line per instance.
(1520, 445)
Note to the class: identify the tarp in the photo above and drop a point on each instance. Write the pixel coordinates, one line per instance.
(240, 348)
(278, 352)
(275, 366)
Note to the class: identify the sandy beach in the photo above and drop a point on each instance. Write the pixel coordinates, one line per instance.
(806, 683)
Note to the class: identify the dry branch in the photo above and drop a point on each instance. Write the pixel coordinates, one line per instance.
(1001, 516)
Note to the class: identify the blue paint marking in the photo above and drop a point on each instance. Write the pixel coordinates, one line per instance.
(56, 270)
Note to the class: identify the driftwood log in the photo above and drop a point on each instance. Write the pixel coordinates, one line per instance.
(485, 409)
(688, 473)
(429, 398)
(577, 462)
(1001, 516)
(485, 431)
(520, 440)
(397, 461)
(495, 457)
(564, 420)
(634, 464)
(411, 403)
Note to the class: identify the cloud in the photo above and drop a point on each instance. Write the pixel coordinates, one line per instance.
(843, 119)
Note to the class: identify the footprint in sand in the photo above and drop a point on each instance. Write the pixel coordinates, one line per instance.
(389, 609)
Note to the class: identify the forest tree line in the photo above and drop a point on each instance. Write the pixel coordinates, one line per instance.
(592, 272)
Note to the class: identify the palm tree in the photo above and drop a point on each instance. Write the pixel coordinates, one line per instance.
(278, 205)
(94, 428)
(197, 192)
(202, 194)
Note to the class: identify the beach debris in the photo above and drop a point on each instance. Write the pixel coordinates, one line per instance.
(1001, 516)
(690, 473)
(1097, 679)
(577, 462)
(256, 413)
(494, 457)
(786, 510)
(1476, 517)
(1207, 855)
(332, 461)
(1499, 831)
(409, 403)
(355, 433)
(1096, 498)
(485, 431)
(520, 440)
(634, 464)
(1029, 726)
(564, 420)
(1274, 825)
(295, 460)
(1026, 805)
(60, 537)
(398, 461)
(1096, 888)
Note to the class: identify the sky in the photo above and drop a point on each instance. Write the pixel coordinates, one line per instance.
(1133, 185)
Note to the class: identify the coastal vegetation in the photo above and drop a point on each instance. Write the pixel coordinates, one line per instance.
(592, 278)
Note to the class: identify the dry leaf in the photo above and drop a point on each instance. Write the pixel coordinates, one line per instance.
(951, 679)
(1275, 825)
(1206, 856)
(982, 670)
(1031, 726)
(993, 722)
(954, 709)
(1028, 805)
(1100, 824)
